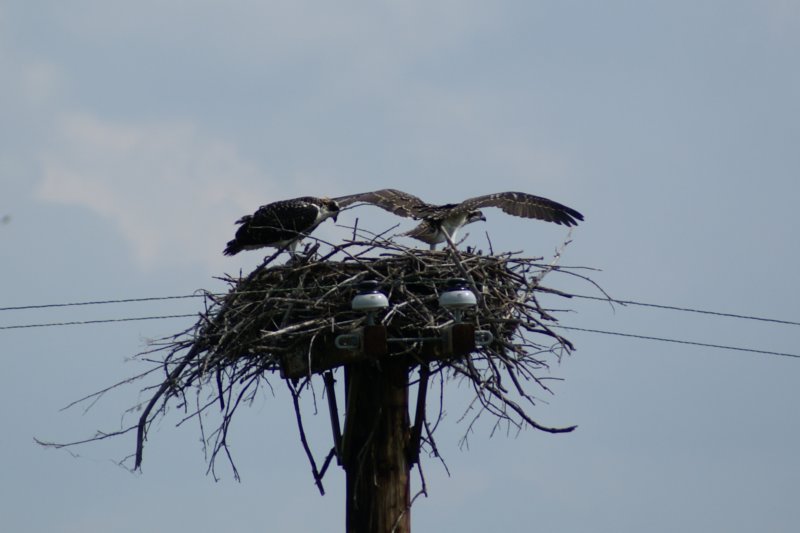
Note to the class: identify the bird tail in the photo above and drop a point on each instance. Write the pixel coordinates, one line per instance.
(233, 247)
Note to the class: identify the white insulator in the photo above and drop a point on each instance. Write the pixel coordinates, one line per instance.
(457, 299)
(369, 301)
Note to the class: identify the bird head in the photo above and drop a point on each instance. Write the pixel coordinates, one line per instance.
(332, 207)
(475, 216)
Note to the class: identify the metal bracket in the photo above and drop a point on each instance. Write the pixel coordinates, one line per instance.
(483, 337)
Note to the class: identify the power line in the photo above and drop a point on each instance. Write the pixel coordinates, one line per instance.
(100, 321)
(144, 299)
(571, 328)
(686, 309)
(99, 302)
(679, 341)
(582, 296)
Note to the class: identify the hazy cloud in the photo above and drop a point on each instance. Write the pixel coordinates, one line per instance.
(172, 191)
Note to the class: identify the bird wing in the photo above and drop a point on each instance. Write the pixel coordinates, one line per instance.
(392, 200)
(523, 205)
(287, 215)
(425, 232)
(277, 221)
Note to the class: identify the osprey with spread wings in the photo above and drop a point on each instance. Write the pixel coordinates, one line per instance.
(438, 222)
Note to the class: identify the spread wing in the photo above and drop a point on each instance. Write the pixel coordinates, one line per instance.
(392, 200)
(523, 205)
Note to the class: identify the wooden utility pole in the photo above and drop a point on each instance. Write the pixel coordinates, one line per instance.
(375, 440)
(375, 447)
(378, 446)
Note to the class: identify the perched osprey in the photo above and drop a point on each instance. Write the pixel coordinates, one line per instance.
(438, 220)
(286, 222)
(282, 224)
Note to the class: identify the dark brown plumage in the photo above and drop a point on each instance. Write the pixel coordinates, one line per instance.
(281, 224)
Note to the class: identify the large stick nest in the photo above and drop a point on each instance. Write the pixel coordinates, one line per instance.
(285, 309)
(280, 311)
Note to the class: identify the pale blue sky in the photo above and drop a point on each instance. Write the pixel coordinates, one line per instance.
(132, 135)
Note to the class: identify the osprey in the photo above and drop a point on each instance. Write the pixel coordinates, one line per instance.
(286, 222)
(442, 221)
(282, 224)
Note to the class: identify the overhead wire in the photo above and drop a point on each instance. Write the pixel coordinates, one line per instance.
(198, 294)
(581, 296)
(685, 309)
(98, 321)
(99, 302)
(677, 341)
(572, 328)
